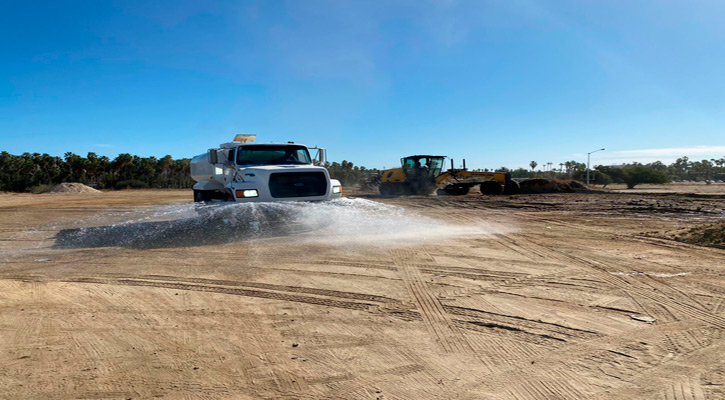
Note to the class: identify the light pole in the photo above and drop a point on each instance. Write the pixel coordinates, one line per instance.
(588, 159)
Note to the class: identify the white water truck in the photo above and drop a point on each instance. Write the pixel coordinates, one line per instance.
(242, 171)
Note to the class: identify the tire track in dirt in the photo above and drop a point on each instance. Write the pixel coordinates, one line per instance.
(502, 349)
(526, 244)
(693, 311)
(685, 389)
(551, 385)
(635, 359)
(593, 366)
(670, 291)
(719, 307)
(282, 288)
(411, 377)
(683, 306)
(666, 381)
(713, 382)
(673, 306)
(367, 303)
(470, 273)
(429, 307)
(523, 245)
(547, 330)
(362, 380)
(511, 334)
(371, 303)
(355, 264)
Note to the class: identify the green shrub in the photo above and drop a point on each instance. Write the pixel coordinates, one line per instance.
(37, 189)
(633, 175)
(131, 184)
(600, 178)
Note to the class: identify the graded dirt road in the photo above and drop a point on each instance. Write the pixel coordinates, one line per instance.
(560, 296)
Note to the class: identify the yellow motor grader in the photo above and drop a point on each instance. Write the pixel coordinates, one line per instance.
(423, 175)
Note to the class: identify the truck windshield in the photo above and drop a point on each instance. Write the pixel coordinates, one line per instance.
(273, 155)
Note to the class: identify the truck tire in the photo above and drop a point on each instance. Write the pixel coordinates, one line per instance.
(201, 196)
(511, 187)
(491, 187)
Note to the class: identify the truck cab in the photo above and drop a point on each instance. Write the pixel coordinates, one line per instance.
(242, 171)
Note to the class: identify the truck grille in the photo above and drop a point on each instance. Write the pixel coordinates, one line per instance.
(298, 184)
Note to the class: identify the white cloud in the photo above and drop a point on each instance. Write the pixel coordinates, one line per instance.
(672, 152)
(645, 156)
(665, 155)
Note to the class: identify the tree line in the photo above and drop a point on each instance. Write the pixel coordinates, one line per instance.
(683, 169)
(37, 172)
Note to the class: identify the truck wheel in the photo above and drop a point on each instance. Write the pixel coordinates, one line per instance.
(201, 196)
(511, 187)
(491, 187)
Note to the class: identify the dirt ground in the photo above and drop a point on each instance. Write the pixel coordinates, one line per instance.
(675, 187)
(552, 296)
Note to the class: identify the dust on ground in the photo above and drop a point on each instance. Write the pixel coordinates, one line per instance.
(565, 296)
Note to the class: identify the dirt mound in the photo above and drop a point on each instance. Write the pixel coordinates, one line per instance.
(539, 185)
(72, 187)
(710, 235)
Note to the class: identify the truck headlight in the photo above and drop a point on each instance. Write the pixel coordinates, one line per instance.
(336, 189)
(247, 193)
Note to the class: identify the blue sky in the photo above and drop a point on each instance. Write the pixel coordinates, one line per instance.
(499, 83)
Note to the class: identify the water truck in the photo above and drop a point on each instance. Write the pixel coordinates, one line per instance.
(243, 171)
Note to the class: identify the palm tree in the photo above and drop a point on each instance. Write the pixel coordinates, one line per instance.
(533, 165)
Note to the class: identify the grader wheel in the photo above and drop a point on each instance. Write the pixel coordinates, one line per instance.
(512, 187)
(491, 188)
(453, 190)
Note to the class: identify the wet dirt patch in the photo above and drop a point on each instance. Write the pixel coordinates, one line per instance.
(710, 235)
(340, 222)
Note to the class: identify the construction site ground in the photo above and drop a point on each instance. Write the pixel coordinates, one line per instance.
(560, 296)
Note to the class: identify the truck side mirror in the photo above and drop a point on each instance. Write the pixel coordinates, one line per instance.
(213, 158)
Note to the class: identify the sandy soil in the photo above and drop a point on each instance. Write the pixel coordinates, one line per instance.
(675, 187)
(521, 297)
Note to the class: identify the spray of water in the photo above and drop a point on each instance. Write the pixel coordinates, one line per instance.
(349, 222)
